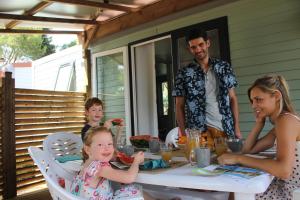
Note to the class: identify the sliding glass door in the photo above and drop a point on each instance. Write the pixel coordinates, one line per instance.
(110, 76)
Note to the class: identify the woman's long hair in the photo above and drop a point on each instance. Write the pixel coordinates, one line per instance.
(271, 83)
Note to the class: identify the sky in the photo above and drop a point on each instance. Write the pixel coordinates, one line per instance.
(59, 39)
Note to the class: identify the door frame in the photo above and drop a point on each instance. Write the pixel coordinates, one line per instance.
(133, 94)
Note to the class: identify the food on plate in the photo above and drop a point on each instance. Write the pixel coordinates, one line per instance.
(116, 121)
(127, 160)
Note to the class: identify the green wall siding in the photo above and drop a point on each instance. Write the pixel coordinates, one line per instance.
(264, 38)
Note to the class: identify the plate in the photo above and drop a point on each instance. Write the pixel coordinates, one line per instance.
(206, 172)
(119, 165)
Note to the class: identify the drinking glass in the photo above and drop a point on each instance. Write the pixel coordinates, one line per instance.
(202, 156)
(191, 143)
(220, 145)
(121, 142)
(166, 152)
(154, 145)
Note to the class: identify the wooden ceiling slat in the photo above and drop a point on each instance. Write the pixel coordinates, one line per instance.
(38, 7)
(24, 31)
(97, 5)
(47, 19)
(147, 14)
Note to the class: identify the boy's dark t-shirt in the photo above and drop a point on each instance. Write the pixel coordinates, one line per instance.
(84, 130)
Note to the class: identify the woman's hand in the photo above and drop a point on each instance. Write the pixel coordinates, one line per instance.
(139, 157)
(259, 118)
(228, 159)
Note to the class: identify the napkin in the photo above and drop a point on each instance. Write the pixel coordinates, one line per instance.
(154, 164)
(66, 158)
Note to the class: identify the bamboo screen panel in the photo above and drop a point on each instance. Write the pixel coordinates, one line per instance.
(38, 114)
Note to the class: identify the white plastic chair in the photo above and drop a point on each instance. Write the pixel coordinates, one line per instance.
(52, 172)
(172, 137)
(62, 144)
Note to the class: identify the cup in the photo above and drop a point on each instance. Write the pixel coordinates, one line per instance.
(166, 153)
(154, 145)
(202, 156)
(220, 145)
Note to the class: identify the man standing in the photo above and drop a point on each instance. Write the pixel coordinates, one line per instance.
(204, 91)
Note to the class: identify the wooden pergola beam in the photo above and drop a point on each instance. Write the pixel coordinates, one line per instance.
(89, 36)
(25, 31)
(147, 14)
(38, 7)
(47, 19)
(96, 4)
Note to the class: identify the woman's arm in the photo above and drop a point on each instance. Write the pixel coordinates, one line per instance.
(254, 145)
(286, 133)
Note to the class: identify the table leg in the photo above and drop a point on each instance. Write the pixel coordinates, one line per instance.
(244, 196)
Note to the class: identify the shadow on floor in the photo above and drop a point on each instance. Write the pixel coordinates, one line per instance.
(38, 195)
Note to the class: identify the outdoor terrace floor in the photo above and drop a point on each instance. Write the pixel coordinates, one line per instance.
(37, 195)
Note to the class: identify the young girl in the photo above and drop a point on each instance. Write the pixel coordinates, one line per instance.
(93, 181)
(270, 99)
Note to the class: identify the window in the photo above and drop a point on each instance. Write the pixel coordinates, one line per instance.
(110, 84)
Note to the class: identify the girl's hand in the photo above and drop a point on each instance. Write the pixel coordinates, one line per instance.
(228, 159)
(139, 157)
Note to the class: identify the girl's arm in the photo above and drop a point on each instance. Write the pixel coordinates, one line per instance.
(286, 132)
(123, 176)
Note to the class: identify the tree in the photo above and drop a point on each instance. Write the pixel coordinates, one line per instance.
(50, 48)
(65, 46)
(19, 47)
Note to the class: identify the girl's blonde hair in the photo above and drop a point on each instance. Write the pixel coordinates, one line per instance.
(271, 83)
(88, 138)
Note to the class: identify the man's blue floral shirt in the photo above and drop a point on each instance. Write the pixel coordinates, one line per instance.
(190, 83)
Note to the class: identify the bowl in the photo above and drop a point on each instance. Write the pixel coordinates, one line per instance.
(235, 145)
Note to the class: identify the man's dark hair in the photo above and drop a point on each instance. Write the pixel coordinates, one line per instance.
(194, 34)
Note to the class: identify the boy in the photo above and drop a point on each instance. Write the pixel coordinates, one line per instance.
(94, 114)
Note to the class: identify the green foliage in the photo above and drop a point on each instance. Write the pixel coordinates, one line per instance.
(65, 46)
(20, 46)
(46, 43)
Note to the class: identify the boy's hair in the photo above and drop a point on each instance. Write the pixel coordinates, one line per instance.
(92, 101)
(88, 138)
(194, 34)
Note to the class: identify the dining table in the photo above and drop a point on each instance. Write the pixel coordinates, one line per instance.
(185, 177)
